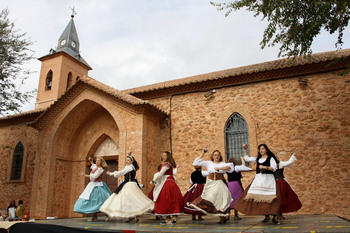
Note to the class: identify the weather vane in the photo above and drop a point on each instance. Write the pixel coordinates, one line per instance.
(73, 12)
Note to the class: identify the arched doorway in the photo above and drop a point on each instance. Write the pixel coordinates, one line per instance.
(108, 149)
(80, 134)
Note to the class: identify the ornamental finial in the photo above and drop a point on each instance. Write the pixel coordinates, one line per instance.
(73, 12)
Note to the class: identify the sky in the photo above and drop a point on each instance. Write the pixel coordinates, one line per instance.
(136, 42)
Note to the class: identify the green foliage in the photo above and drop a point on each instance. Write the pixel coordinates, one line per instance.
(295, 23)
(14, 53)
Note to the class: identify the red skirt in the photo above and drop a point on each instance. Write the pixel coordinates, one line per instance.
(150, 194)
(170, 200)
(289, 199)
(193, 192)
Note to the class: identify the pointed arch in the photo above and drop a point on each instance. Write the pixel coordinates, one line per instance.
(17, 162)
(236, 134)
(69, 80)
(48, 80)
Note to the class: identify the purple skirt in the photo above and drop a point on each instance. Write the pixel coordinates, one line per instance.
(236, 190)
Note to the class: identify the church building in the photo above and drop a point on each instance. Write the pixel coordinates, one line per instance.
(294, 105)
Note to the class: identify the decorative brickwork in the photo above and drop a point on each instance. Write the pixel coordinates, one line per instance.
(298, 106)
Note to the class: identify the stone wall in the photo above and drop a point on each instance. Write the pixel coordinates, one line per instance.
(310, 119)
(16, 190)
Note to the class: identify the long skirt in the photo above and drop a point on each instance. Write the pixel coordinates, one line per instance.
(129, 202)
(150, 194)
(252, 207)
(170, 200)
(215, 199)
(97, 197)
(236, 191)
(192, 193)
(289, 199)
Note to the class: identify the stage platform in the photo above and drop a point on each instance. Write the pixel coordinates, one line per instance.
(148, 223)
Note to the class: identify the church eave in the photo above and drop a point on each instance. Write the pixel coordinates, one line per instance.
(278, 69)
(59, 53)
(54, 109)
(21, 118)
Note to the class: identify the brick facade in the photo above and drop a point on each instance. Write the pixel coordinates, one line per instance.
(306, 113)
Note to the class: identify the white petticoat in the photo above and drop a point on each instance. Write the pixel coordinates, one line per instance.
(218, 194)
(129, 202)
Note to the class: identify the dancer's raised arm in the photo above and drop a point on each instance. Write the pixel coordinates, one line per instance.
(288, 163)
(246, 156)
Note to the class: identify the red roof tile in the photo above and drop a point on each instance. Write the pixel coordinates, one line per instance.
(250, 69)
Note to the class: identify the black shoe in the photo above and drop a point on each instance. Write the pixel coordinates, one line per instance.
(266, 219)
(223, 220)
(166, 222)
(275, 221)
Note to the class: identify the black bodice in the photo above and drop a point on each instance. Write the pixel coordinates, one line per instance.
(265, 163)
(279, 174)
(197, 177)
(234, 176)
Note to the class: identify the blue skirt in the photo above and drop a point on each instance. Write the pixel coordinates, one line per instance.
(97, 197)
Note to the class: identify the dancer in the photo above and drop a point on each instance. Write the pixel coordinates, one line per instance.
(96, 192)
(150, 194)
(234, 177)
(128, 200)
(215, 198)
(198, 179)
(167, 197)
(289, 199)
(262, 197)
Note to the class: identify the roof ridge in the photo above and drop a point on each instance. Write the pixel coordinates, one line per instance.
(23, 113)
(248, 69)
(118, 93)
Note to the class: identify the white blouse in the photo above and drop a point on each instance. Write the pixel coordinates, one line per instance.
(210, 165)
(161, 173)
(97, 173)
(288, 163)
(238, 168)
(126, 170)
(273, 163)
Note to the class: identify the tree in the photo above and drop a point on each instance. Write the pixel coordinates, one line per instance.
(295, 23)
(14, 52)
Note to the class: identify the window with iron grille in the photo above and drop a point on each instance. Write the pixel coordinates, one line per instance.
(236, 134)
(17, 162)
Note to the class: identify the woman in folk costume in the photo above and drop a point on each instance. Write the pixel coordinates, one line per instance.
(234, 177)
(198, 179)
(289, 199)
(96, 192)
(262, 197)
(215, 198)
(128, 200)
(150, 194)
(167, 197)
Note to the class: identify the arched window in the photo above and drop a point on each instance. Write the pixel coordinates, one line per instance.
(17, 162)
(69, 80)
(48, 83)
(236, 134)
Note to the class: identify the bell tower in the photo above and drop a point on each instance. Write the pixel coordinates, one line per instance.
(61, 68)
